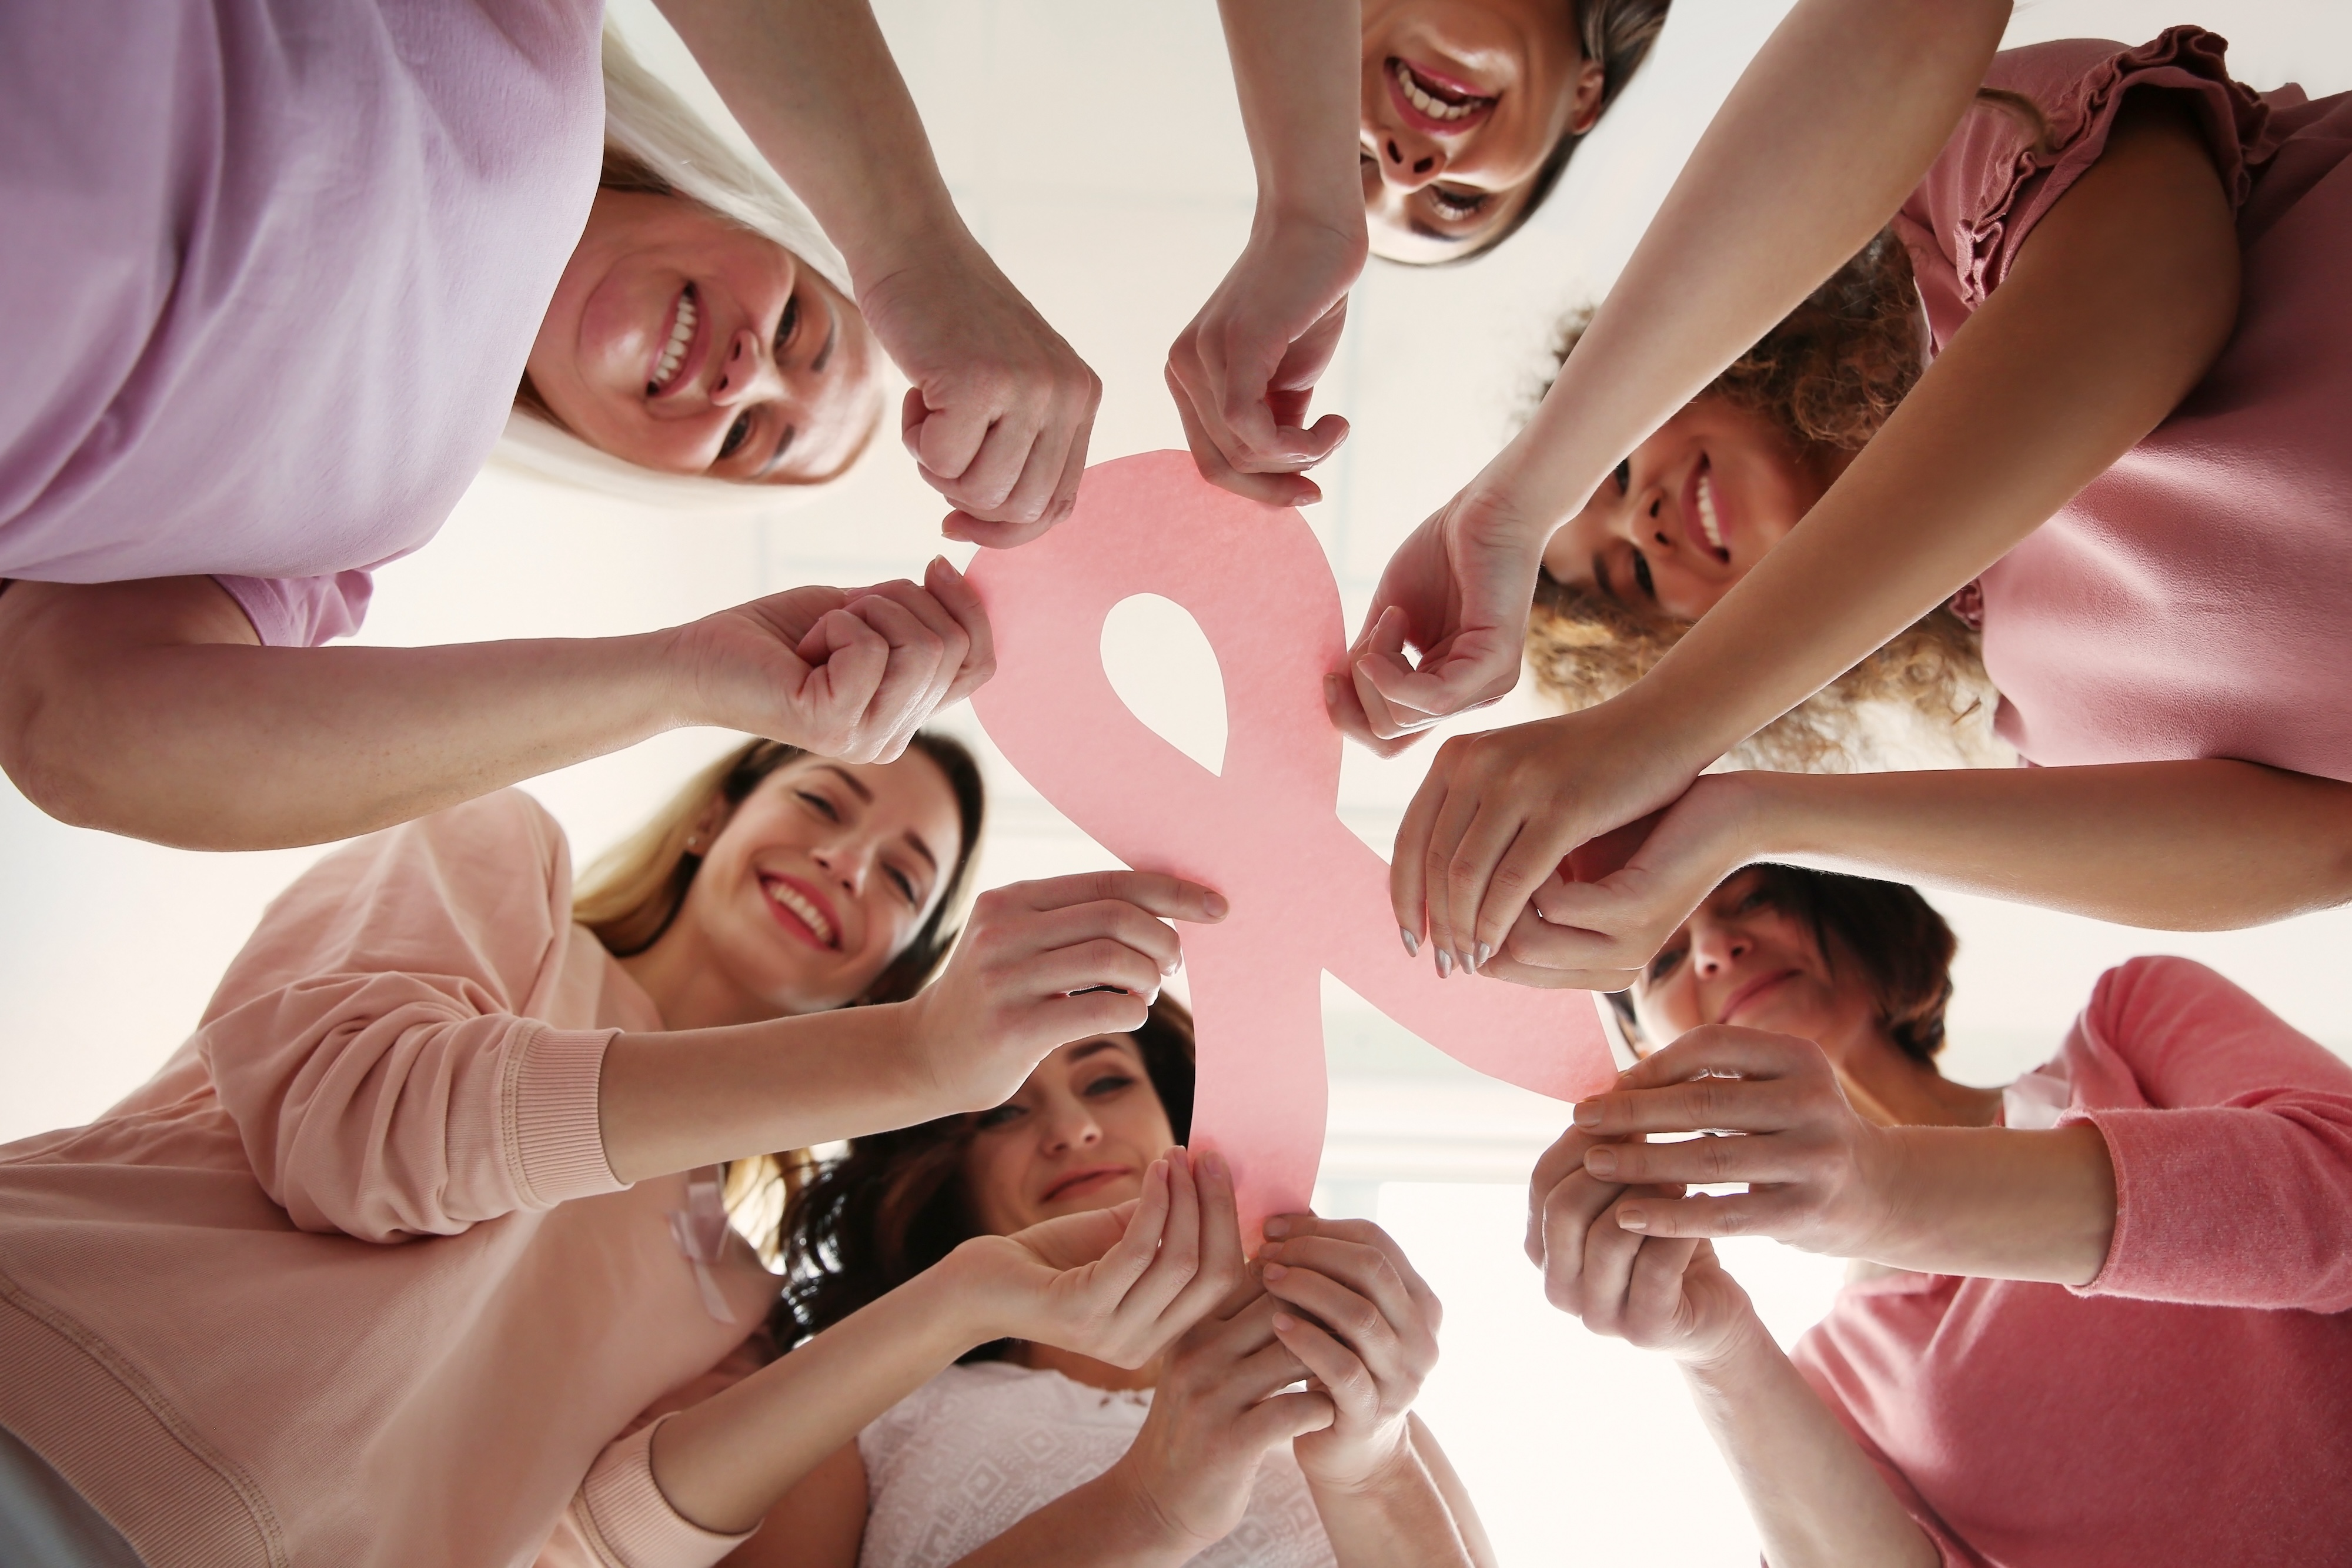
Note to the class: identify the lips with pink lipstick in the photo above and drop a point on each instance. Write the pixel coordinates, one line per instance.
(1084, 1181)
(1438, 103)
(1751, 991)
(1703, 512)
(801, 910)
(683, 345)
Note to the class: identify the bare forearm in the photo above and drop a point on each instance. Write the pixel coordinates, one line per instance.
(813, 84)
(678, 1101)
(1295, 68)
(2000, 1203)
(1399, 1519)
(1827, 132)
(2175, 846)
(1815, 1498)
(725, 1462)
(1106, 1523)
(224, 745)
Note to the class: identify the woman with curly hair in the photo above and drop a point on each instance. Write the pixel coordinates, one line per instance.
(1023, 1453)
(2123, 464)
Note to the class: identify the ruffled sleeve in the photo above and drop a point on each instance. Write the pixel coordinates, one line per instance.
(1997, 177)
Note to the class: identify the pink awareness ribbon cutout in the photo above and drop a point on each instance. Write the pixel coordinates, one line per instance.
(1307, 894)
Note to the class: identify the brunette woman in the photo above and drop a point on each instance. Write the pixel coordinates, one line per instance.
(2122, 463)
(1027, 1454)
(2100, 1315)
(384, 1262)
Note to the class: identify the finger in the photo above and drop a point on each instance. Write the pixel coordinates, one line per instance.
(1347, 714)
(1751, 1053)
(945, 438)
(1041, 474)
(1366, 1274)
(1116, 1273)
(954, 644)
(1523, 868)
(1209, 457)
(1563, 1159)
(1224, 1268)
(1738, 1214)
(1067, 972)
(1608, 1253)
(1457, 815)
(1362, 1233)
(1536, 943)
(1347, 1316)
(984, 483)
(1283, 1417)
(1654, 1294)
(1410, 860)
(1503, 966)
(1145, 1307)
(1571, 1212)
(1085, 1014)
(1169, 897)
(910, 678)
(1353, 1387)
(1470, 674)
(1704, 1104)
(1484, 842)
(1700, 1162)
(950, 588)
(1074, 471)
(1111, 919)
(850, 660)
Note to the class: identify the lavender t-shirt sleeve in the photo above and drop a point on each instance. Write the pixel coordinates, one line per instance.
(301, 611)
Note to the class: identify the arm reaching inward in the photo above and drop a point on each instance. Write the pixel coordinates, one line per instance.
(2117, 303)
(1001, 408)
(149, 709)
(1828, 129)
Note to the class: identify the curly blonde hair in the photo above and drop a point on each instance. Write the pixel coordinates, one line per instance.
(1827, 377)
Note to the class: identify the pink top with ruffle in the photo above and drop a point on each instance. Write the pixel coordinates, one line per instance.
(2189, 603)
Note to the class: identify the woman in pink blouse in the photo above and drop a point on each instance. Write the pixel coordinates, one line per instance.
(2127, 447)
(2102, 1315)
(393, 1258)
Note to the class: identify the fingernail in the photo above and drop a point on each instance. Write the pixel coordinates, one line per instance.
(1277, 1228)
(1588, 1113)
(1633, 1220)
(1467, 966)
(1216, 1165)
(1485, 951)
(1216, 905)
(1600, 1161)
(1274, 1271)
(1284, 1320)
(1411, 942)
(1168, 967)
(1445, 963)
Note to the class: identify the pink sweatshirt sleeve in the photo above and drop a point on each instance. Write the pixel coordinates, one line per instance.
(374, 1042)
(619, 1518)
(2233, 1179)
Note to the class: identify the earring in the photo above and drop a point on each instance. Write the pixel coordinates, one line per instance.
(694, 843)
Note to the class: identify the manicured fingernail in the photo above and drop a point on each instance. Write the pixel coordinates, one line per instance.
(1274, 1271)
(1411, 942)
(1216, 905)
(1216, 1165)
(1463, 960)
(1588, 1113)
(1485, 951)
(1445, 963)
(1633, 1220)
(1277, 1228)
(1600, 1161)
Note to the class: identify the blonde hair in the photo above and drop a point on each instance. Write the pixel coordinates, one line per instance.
(654, 141)
(1828, 377)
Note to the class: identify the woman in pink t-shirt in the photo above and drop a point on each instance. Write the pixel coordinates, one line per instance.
(2102, 1315)
(388, 1261)
(2127, 447)
(280, 277)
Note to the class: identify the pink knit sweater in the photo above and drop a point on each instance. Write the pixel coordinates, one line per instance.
(350, 1281)
(2191, 1405)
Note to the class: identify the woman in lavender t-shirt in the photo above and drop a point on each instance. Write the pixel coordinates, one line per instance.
(275, 276)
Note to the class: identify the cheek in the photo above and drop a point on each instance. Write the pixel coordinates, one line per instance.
(1667, 1011)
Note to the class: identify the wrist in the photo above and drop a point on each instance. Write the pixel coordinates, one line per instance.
(1734, 1356)
(1389, 1463)
(1133, 1523)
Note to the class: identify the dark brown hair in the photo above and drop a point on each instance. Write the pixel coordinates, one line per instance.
(864, 1224)
(1893, 936)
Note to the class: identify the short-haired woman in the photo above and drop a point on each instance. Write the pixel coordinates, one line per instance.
(2123, 462)
(277, 280)
(2100, 1315)
(386, 1263)
(1023, 1454)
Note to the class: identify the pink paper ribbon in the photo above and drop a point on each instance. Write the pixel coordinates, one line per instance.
(1307, 895)
(701, 1231)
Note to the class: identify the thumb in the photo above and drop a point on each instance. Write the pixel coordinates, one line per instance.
(1283, 1417)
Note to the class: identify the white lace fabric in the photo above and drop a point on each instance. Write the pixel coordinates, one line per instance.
(972, 1453)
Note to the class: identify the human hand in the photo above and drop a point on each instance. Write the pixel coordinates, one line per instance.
(1000, 410)
(1027, 975)
(1819, 1177)
(847, 674)
(1500, 810)
(1659, 1293)
(1214, 1415)
(1456, 593)
(1118, 1284)
(1367, 1333)
(1244, 370)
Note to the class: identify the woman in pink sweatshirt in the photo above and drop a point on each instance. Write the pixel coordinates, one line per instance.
(2104, 1315)
(384, 1264)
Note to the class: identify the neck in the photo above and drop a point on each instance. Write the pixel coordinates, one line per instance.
(1893, 1089)
(690, 991)
(1084, 1368)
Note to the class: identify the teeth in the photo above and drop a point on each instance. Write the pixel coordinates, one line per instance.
(810, 915)
(680, 335)
(1708, 523)
(1434, 107)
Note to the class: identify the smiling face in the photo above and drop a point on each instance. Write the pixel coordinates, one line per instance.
(1694, 508)
(1741, 959)
(823, 875)
(1463, 101)
(1079, 1135)
(681, 343)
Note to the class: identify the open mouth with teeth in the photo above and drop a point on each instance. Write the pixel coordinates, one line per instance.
(685, 317)
(1706, 516)
(800, 914)
(1441, 104)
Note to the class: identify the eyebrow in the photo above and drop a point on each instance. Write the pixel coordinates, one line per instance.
(1428, 232)
(832, 335)
(914, 840)
(1600, 578)
(1091, 1046)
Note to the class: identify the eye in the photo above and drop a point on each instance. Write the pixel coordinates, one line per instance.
(1001, 1116)
(1109, 1083)
(1642, 575)
(819, 804)
(1457, 205)
(905, 885)
(737, 435)
(1624, 476)
(1664, 964)
(785, 328)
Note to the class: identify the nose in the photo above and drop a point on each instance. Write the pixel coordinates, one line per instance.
(1408, 160)
(845, 861)
(1643, 522)
(1716, 947)
(1071, 1126)
(748, 372)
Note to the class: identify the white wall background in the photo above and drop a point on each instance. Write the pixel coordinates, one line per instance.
(1095, 148)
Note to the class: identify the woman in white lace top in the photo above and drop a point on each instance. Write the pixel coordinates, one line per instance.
(1023, 1454)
